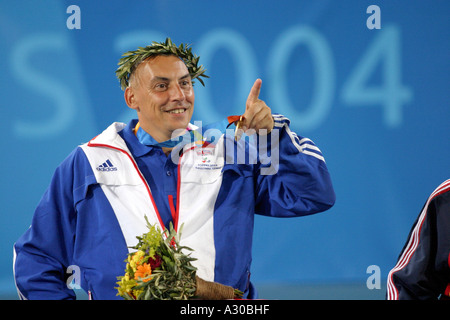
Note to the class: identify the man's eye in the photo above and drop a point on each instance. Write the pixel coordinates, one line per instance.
(161, 86)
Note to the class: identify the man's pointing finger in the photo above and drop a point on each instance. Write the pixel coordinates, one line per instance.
(254, 92)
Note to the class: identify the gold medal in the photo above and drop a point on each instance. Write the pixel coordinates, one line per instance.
(238, 132)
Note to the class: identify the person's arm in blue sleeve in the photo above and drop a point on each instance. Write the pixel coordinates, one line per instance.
(292, 177)
(294, 181)
(44, 252)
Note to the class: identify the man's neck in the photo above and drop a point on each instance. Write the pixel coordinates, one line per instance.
(166, 151)
(160, 139)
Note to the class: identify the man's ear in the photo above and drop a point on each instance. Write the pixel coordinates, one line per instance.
(130, 98)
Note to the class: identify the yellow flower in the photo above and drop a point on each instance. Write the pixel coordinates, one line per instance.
(136, 259)
(126, 284)
(136, 293)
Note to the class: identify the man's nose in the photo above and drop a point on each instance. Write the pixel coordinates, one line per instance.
(177, 93)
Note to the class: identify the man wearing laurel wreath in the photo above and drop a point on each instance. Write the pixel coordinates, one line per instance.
(101, 194)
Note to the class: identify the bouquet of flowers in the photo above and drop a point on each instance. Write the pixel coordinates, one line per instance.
(159, 270)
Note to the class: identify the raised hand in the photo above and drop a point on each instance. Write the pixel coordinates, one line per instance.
(258, 115)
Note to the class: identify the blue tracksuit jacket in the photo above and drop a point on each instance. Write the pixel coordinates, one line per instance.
(96, 202)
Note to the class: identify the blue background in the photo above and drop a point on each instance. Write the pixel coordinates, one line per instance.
(375, 101)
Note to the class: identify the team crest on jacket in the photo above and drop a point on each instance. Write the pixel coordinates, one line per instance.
(206, 158)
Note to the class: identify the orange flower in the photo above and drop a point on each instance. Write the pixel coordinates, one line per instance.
(143, 271)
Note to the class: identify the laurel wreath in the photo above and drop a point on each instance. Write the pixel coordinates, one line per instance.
(131, 59)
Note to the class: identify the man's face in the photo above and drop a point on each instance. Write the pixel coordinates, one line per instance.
(161, 92)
